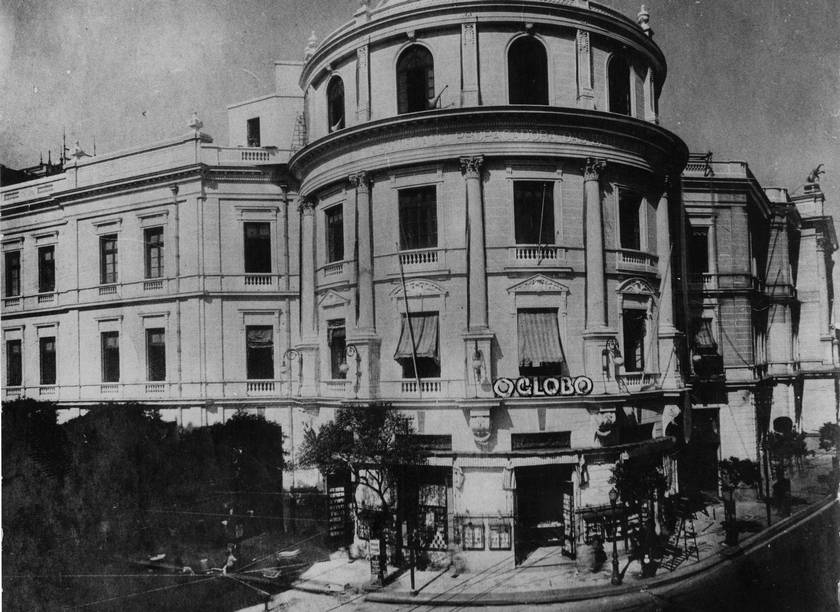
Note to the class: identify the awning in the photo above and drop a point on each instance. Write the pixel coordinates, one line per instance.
(704, 339)
(539, 338)
(425, 328)
(259, 337)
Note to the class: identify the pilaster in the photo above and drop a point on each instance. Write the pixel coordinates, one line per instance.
(366, 321)
(308, 333)
(477, 287)
(470, 95)
(585, 90)
(363, 73)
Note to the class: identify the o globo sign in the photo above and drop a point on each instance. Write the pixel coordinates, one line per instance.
(533, 386)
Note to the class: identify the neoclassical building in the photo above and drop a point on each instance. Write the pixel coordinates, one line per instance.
(466, 209)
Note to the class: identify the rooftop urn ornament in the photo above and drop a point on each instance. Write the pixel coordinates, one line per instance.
(814, 175)
(195, 123)
(311, 46)
(643, 18)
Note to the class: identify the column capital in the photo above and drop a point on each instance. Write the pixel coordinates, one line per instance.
(471, 166)
(593, 168)
(306, 206)
(360, 180)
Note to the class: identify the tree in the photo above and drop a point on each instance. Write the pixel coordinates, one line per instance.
(829, 436)
(374, 444)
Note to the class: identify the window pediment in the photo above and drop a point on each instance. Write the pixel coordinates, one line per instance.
(539, 283)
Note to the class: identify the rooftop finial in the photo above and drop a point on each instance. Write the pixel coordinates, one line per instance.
(77, 152)
(644, 21)
(311, 46)
(195, 123)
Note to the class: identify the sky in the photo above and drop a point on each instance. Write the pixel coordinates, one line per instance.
(750, 80)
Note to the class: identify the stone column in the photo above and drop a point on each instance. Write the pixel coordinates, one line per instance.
(365, 257)
(477, 296)
(596, 312)
(668, 336)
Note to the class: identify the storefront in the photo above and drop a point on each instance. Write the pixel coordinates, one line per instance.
(544, 509)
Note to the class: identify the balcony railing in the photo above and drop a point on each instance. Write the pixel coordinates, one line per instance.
(109, 388)
(535, 254)
(333, 269)
(11, 302)
(425, 386)
(335, 387)
(638, 381)
(46, 298)
(252, 280)
(635, 259)
(153, 284)
(259, 387)
(107, 290)
(156, 387)
(47, 390)
(419, 257)
(13, 392)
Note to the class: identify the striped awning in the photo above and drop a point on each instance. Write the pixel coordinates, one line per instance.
(425, 329)
(539, 338)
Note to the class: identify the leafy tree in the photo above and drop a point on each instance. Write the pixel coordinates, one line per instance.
(374, 444)
(829, 436)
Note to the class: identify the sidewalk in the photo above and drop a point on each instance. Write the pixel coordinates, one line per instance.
(547, 576)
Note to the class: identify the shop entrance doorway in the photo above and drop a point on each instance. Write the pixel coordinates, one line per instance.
(543, 510)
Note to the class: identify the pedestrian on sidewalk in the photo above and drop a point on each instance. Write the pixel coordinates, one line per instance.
(456, 558)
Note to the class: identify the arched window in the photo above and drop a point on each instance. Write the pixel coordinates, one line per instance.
(335, 104)
(618, 82)
(527, 72)
(415, 80)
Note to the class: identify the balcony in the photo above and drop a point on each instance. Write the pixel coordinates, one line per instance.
(259, 387)
(46, 298)
(333, 272)
(109, 388)
(419, 258)
(11, 302)
(428, 386)
(155, 387)
(535, 254)
(334, 388)
(108, 289)
(155, 284)
(259, 280)
(633, 382)
(13, 392)
(635, 261)
(47, 391)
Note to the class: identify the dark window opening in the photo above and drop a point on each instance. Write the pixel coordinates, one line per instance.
(337, 342)
(110, 357)
(257, 247)
(253, 132)
(153, 239)
(108, 259)
(533, 210)
(335, 104)
(698, 251)
(335, 233)
(415, 80)
(156, 354)
(618, 76)
(47, 355)
(259, 352)
(634, 340)
(46, 269)
(418, 218)
(14, 363)
(527, 72)
(540, 349)
(12, 274)
(630, 232)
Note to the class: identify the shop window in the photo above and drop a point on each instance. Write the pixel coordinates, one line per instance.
(110, 357)
(634, 322)
(47, 357)
(46, 269)
(14, 363)
(156, 354)
(259, 352)
(698, 251)
(12, 285)
(629, 226)
(108, 259)
(153, 246)
(533, 211)
(337, 342)
(335, 103)
(472, 534)
(335, 233)
(415, 80)
(527, 72)
(257, 247)
(432, 532)
(253, 132)
(499, 538)
(422, 327)
(618, 84)
(418, 218)
(540, 349)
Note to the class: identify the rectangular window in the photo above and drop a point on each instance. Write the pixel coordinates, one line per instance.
(108, 259)
(153, 246)
(698, 251)
(634, 340)
(47, 353)
(540, 350)
(259, 352)
(12, 274)
(533, 212)
(14, 363)
(336, 339)
(253, 132)
(335, 233)
(110, 357)
(156, 354)
(46, 269)
(257, 247)
(421, 329)
(630, 231)
(472, 533)
(418, 218)
(499, 534)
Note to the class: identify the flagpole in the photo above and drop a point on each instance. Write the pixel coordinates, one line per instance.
(410, 326)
